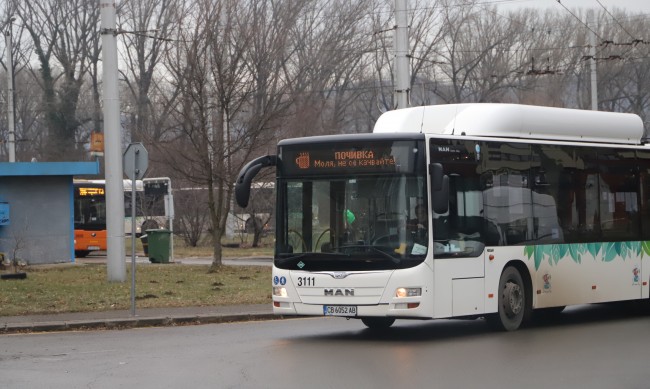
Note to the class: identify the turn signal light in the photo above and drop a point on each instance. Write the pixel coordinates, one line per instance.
(407, 305)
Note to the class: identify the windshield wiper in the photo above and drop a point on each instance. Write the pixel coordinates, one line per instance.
(332, 255)
(375, 250)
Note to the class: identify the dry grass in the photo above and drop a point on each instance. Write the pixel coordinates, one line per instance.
(181, 250)
(83, 288)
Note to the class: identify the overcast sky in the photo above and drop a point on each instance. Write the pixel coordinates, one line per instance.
(642, 6)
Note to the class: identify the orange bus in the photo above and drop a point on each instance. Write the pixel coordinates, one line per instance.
(89, 217)
(154, 210)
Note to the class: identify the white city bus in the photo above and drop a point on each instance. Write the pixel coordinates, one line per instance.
(528, 208)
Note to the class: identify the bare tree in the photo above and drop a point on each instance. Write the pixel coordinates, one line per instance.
(425, 34)
(146, 28)
(251, 82)
(332, 43)
(546, 59)
(471, 48)
(233, 81)
(191, 152)
(623, 62)
(25, 94)
(190, 203)
(61, 32)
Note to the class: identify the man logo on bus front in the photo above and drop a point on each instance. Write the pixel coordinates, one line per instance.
(345, 292)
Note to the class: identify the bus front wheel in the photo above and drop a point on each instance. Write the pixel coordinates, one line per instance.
(513, 304)
(81, 253)
(378, 323)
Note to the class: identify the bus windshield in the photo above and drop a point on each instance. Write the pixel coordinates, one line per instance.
(347, 223)
(352, 204)
(90, 207)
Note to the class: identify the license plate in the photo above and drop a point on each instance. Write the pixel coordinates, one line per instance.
(339, 310)
(93, 247)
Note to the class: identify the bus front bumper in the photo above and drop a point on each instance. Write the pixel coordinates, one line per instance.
(402, 309)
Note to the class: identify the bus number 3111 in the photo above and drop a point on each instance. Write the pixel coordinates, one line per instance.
(306, 281)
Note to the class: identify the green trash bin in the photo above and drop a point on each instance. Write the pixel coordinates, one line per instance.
(158, 242)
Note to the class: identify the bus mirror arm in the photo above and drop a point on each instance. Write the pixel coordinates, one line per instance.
(440, 198)
(436, 171)
(439, 188)
(246, 175)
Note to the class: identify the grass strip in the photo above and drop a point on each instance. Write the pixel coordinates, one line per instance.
(84, 288)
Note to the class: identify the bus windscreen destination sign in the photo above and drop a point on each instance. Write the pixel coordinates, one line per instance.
(338, 158)
(90, 191)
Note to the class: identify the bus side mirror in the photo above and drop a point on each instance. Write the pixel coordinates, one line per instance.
(439, 188)
(246, 175)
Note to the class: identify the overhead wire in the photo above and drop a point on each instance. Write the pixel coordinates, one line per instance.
(635, 40)
(580, 20)
(617, 22)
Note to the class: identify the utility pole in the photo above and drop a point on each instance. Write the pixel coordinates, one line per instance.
(592, 62)
(402, 66)
(11, 114)
(115, 254)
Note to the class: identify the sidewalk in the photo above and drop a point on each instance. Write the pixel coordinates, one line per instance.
(144, 317)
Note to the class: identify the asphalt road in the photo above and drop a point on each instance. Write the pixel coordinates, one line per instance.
(590, 347)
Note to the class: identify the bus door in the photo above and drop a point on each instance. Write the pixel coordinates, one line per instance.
(460, 233)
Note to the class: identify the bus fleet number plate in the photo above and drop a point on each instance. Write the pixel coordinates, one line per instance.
(339, 310)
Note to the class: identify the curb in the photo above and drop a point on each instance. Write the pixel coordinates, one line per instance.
(136, 322)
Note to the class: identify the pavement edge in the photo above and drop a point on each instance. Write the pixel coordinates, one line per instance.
(135, 322)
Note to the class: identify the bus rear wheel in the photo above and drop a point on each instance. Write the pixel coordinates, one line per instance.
(513, 304)
(378, 323)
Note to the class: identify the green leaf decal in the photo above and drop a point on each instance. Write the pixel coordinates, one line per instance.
(593, 249)
(609, 251)
(629, 249)
(621, 249)
(529, 251)
(540, 252)
(554, 253)
(576, 251)
(645, 245)
(564, 250)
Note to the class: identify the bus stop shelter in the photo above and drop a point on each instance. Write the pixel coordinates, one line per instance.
(36, 209)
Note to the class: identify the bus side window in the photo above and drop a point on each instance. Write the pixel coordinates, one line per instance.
(470, 227)
(492, 234)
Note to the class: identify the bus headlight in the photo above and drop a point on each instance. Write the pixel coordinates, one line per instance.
(408, 292)
(280, 291)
